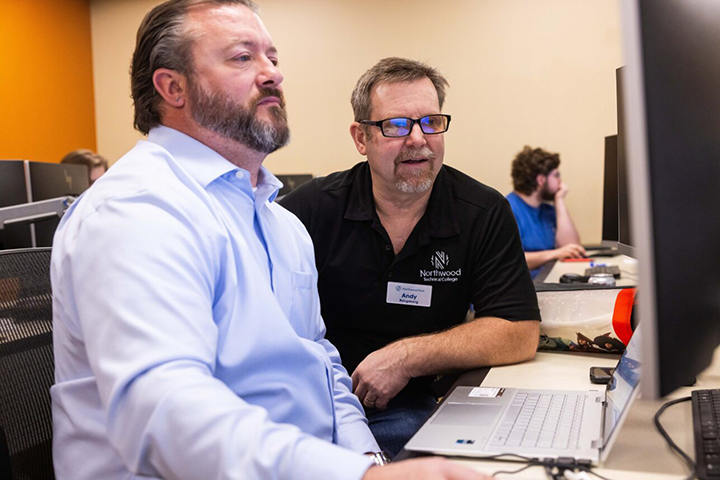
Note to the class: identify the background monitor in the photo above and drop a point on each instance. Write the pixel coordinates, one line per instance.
(53, 180)
(13, 191)
(291, 182)
(625, 243)
(610, 194)
(672, 120)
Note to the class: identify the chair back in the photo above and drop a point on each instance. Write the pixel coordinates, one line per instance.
(26, 365)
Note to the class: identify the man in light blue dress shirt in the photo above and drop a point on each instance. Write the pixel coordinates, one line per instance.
(202, 352)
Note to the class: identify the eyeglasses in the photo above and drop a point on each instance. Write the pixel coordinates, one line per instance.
(402, 126)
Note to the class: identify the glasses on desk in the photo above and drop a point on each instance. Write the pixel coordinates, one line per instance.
(402, 126)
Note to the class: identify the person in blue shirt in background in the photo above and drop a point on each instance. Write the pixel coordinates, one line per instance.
(546, 229)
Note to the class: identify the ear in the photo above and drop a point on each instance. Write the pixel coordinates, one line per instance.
(540, 179)
(171, 85)
(357, 132)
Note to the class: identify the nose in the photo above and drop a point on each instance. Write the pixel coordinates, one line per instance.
(270, 75)
(416, 137)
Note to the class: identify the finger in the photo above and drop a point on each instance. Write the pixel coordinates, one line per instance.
(369, 402)
(360, 387)
(355, 381)
(361, 392)
(383, 400)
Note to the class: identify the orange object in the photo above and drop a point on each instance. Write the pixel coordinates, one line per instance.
(621, 314)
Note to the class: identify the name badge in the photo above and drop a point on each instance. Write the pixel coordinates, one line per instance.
(409, 294)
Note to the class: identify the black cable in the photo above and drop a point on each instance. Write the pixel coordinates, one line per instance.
(561, 464)
(673, 446)
(513, 472)
(590, 471)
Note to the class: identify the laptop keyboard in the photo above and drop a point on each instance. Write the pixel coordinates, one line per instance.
(541, 420)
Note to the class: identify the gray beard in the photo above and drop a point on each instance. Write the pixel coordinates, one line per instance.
(417, 182)
(222, 115)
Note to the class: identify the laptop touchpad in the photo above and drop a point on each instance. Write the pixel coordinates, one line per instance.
(467, 414)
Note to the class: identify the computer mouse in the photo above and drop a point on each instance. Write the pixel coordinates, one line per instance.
(573, 278)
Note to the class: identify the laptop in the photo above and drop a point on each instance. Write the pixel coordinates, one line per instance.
(489, 421)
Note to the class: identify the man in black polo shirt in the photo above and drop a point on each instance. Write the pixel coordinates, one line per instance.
(404, 245)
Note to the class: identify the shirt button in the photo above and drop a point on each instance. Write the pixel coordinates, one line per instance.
(239, 174)
(388, 247)
(389, 274)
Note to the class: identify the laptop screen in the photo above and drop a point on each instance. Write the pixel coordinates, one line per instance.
(622, 388)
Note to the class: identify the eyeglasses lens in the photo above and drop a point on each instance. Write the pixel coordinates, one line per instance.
(397, 127)
(433, 124)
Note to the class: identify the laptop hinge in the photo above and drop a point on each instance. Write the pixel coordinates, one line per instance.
(599, 400)
(595, 444)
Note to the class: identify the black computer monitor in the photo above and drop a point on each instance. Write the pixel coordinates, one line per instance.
(12, 183)
(13, 191)
(292, 181)
(672, 114)
(610, 194)
(625, 243)
(53, 180)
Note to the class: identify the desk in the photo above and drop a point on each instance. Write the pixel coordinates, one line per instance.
(639, 453)
(628, 269)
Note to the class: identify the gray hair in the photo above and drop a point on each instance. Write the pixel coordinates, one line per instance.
(164, 41)
(393, 70)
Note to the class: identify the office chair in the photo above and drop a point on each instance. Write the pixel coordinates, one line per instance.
(26, 365)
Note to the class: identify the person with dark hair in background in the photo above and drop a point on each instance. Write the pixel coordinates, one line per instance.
(538, 202)
(97, 164)
(203, 355)
(404, 245)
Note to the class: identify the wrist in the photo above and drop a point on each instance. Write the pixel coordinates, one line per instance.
(408, 350)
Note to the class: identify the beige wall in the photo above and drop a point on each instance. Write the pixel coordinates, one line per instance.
(538, 72)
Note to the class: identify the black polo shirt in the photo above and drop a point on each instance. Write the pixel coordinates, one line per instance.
(466, 247)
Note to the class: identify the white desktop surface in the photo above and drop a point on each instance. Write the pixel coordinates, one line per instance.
(639, 453)
(628, 269)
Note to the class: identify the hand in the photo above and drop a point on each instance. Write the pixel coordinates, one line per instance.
(381, 375)
(423, 469)
(571, 250)
(562, 191)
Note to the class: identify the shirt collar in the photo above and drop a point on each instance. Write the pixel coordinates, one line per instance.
(268, 185)
(204, 164)
(440, 212)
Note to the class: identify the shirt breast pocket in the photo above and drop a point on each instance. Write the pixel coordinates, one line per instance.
(305, 304)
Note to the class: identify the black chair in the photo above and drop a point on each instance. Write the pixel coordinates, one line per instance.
(26, 365)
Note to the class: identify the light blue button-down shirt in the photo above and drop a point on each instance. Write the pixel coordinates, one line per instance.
(188, 336)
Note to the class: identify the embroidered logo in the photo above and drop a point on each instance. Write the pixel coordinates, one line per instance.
(440, 260)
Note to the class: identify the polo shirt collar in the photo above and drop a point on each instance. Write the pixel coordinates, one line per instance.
(361, 205)
(440, 214)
